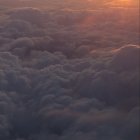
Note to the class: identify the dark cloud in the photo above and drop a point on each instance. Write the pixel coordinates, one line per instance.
(32, 15)
(62, 79)
(127, 58)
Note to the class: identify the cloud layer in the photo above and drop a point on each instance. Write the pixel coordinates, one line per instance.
(69, 76)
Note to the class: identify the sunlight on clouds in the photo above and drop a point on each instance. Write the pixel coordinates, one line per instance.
(124, 3)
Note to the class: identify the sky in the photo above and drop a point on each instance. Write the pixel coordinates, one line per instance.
(75, 3)
(69, 70)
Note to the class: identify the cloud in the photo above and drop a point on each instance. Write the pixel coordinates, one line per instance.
(59, 82)
(127, 58)
(31, 15)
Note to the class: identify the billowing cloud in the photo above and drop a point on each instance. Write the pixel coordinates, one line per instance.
(60, 80)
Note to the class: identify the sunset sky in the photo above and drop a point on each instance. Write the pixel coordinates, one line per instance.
(94, 3)
(69, 70)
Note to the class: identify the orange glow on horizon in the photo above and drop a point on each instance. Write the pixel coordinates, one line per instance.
(124, 3)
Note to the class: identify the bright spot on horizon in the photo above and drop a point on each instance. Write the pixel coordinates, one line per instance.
(124, 3)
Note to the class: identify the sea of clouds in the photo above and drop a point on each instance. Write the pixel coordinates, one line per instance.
(69, 75)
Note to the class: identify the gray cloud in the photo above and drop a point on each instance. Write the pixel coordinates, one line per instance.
(63, 81)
